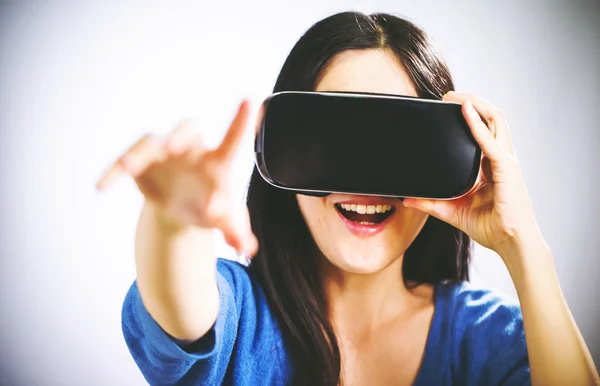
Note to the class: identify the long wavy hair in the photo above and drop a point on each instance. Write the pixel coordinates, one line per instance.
(286, 264)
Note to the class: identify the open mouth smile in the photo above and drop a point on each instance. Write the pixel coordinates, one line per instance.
(365, 219)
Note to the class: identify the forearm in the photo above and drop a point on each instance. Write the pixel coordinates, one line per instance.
(176, 275)
(557, 352)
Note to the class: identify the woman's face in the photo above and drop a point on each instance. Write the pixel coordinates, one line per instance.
(351, 237)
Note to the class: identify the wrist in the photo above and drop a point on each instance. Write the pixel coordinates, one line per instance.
(527, 254)
(162, 219)
(524, 241)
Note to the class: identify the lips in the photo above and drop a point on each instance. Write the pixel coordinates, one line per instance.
(365, 214)
(365, 217)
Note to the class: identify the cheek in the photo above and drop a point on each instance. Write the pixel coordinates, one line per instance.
(313, 211)
(410, 223)
(413, 216)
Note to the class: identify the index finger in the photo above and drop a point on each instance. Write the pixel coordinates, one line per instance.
(491, 115)
(234, 135)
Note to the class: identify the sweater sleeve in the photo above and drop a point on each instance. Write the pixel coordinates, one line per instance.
(163, 361)
(490, 339)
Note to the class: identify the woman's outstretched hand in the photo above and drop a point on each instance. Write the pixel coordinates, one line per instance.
(188, 183)
(497, 212)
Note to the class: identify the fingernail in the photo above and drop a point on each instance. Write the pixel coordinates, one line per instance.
(470, 108)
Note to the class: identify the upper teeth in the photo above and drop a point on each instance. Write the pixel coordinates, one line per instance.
(368, 209)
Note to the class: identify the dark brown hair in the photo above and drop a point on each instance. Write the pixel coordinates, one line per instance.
(286, 265)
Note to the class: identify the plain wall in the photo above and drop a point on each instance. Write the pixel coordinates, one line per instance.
(80, 81)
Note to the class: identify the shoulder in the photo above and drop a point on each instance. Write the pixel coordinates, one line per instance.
(258, 329)
(233, 271)
(487, 338)
(237, 281)
(234, 276)
(473, 306)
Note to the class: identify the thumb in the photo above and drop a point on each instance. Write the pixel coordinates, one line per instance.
(441, 209)
(238, 232)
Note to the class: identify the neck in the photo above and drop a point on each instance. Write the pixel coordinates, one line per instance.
(365, 301)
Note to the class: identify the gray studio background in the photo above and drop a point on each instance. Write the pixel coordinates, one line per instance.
(80, 81)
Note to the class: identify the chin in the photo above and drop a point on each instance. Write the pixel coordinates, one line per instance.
(360, 263)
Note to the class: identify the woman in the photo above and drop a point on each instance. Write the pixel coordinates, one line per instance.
(320, 304)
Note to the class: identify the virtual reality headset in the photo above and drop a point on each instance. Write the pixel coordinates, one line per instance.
(318, 143)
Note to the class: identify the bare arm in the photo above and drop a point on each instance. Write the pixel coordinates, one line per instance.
(557, 352)
(176, 274)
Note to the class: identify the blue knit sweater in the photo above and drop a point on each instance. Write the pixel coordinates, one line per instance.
(476, 338)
